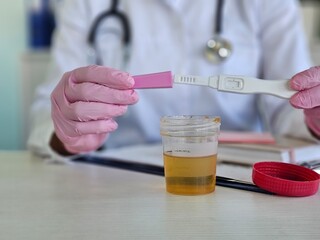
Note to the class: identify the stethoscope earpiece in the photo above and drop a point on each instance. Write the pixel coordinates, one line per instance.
(217, 49)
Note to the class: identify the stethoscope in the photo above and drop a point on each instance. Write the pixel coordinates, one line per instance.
(216, 50)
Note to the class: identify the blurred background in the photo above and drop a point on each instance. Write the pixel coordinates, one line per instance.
(26, 28)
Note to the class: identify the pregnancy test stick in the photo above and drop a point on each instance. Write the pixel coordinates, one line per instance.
(239, 84)
(226, 83)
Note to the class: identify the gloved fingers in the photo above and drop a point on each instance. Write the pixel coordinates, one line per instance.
(106, 76)
(92, 133)
(306, 79)
(313, 124)
(92, 92)
(83, 125)
(89, 111)
(83, 111)
(306, 99)
(86, 143)
(66, 128)
(313, 112)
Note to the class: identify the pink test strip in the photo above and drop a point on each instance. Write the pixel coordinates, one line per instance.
(154, 80)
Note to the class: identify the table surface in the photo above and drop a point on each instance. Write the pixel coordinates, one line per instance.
(41, 200)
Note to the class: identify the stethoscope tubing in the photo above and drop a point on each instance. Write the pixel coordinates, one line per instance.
(114, 11)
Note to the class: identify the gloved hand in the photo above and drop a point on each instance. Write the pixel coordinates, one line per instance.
(308, 97)
(85, 103)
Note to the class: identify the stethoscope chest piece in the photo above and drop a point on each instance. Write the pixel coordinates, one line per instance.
(217, 49)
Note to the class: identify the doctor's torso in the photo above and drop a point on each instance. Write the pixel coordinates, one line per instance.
(171, 35)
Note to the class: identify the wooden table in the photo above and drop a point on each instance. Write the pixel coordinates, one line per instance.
(41, 200)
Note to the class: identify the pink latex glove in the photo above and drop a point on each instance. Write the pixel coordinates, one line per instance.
(85, 103)
(308, 97)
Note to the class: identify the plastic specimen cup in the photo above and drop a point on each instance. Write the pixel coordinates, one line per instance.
(190, 145)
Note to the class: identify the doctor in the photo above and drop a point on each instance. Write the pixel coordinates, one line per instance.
(93, 106)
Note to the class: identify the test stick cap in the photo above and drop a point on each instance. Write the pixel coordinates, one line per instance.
(153, 80)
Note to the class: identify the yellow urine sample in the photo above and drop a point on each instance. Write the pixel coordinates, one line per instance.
(190, 175)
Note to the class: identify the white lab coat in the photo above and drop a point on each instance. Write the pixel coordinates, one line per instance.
(268, 42)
